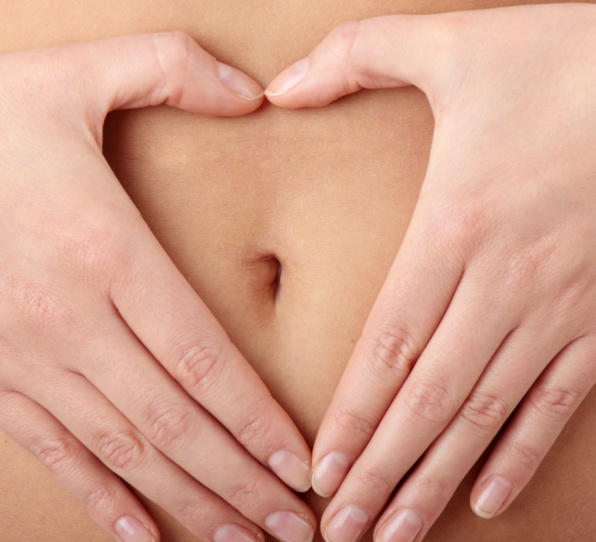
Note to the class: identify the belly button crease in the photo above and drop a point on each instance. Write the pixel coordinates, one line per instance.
(276, 283)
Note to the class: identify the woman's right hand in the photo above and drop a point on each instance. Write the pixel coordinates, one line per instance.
(111, 367)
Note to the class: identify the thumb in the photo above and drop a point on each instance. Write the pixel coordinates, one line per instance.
(382, 52)
(143, 70)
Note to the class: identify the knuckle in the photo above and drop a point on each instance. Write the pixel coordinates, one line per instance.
(353, 423)
(100, 498)
(176, 40)
(341, 47)
(526, 455)
(169, 426)
(555, 403)
(343, 38)
(57, 453)
(93, 249)
(197, 367)
(257, 429)
(245, 494)
(188, 510)
(574, 295)
(392, 348)
(523, 267)
(37, 305)
(451, 37)
(193, 512)
(441, 232)
(375, 481)
(487, 413)
(436, 491)
(463, 224)
(520, 272)
(200, 514)
(453, 30)
(429, 401)
(172, 51)
(123, 450)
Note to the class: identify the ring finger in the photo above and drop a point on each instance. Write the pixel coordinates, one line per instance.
(429, 487)
(100, 492)
(441, 380)
(183, 431)
(122, 448)
(539, 420)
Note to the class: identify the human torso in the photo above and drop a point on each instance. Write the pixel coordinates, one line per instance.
(286, 223)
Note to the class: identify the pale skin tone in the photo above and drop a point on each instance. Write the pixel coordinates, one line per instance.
(456, 221)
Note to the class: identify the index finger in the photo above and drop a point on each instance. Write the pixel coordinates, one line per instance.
(174, 324)
(408, 310)
(382, 52)
(151, 295)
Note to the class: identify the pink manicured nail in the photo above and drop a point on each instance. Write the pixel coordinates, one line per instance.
(491, 496)
(239, 83)
(288, 79)
(289, 527)
(233, 533)
(291, 470)
(330, 473)
(403, 526)
(132, 530)
(348, 525)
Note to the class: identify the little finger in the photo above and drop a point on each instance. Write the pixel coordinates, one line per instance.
(122, 449)
(429, 487)
(188, 341)
(443, 377)
(99, 491)
(537, 423)
(142, 390)
(408, 310)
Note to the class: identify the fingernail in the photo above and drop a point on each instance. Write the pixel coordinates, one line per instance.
(491, 496)
(288, 79)
(239, 83)
(348, 525)
(330, 473)
(403, 526)
(132, 530)
(233, 533)
(291, 470)
(289, 527)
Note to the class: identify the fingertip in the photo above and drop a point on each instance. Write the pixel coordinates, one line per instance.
(290, 526)
(131, 529)
(239, 83)
(329, 473)
(287, 79)
(490, 499)
(236, 533)
(291, 470)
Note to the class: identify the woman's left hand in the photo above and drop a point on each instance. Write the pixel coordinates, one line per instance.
(491, 302)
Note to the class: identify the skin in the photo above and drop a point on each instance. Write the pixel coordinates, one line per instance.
(272, 363)
(495, 312)
(80, 301)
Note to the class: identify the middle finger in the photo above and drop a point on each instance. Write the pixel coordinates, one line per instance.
(453, 361)
(429, 487)
(120, 446)
(132, 380)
